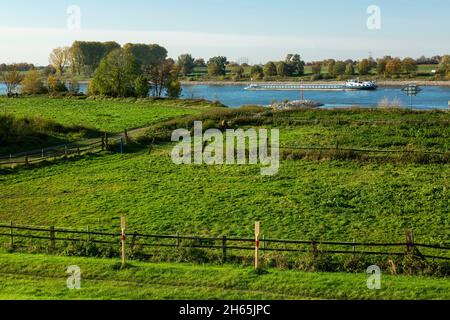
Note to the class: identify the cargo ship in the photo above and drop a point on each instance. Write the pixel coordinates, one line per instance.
(349, 85)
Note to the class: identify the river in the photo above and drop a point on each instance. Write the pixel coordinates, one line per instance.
(431, 97)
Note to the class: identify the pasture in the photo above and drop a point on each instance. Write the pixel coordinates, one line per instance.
(41, 277)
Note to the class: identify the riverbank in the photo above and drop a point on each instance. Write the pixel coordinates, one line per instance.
(386, 83)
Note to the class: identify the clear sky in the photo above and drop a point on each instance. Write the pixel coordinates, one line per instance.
(258, 30)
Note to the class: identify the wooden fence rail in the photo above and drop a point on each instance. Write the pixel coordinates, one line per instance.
(36, 156)
(223, 243)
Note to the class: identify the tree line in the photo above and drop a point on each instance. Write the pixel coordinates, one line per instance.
(142, 69)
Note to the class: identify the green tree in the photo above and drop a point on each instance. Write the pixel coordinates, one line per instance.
(296, 65)
(316, 68)
(364, 67)
(32, 83)
(186, 64)
(86, 56)
(339, 68)
(381, 66)
(116, 75)
(257, 72)
(146, 55)
(350, 70)
(217, 66)
(174, 89)
(141, 86)
(283, 69)
(237, 71)
(270, 69)
(409, 66)
(444, 65)
(330, 67)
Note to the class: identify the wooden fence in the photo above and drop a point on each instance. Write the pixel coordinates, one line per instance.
(52, 153)
(15, 236)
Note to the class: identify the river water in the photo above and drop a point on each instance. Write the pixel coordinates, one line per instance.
(234, 96)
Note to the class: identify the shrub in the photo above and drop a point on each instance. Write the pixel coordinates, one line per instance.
(32, 83)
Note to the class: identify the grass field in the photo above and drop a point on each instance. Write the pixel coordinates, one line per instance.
(25, 276)
(329, 200)
(106, 115)
(371, 200)
(322, 200)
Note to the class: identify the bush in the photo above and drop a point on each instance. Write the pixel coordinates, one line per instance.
(141, 87)
(32, 83)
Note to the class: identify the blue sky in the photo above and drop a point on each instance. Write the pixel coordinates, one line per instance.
(259, 30)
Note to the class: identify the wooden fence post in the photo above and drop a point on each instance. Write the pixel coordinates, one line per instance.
(409, 241)
(78, 151)
(123, 226)
(354, 248)
(26, 159)
(224, 249)
(42, 153)
(11, 235)
(103, 143)
(52, 238)
(257, 234)
(125, 135)
(88, 234)
(178, 239)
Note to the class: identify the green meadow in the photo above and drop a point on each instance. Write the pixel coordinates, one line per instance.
(314, 197)
(37, 277)
(109, 115)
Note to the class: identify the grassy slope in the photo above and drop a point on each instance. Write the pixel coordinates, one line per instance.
(43, 277)
(330, 200)
(390, 129)
(106, 115)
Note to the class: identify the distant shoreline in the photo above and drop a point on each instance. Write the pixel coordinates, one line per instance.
(385, 83)
(390, 83)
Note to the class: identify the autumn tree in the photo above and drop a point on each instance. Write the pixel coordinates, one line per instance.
(32, 83)
(162, 75)
(409, 66)
(12, 80)
(394, 67)
(59, 59)
(381, 65)
(364, 67)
